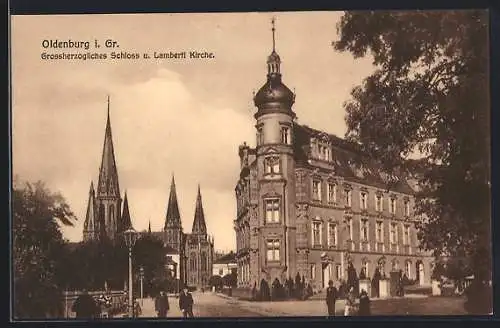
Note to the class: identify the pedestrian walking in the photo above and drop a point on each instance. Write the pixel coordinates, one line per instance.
(161, 305)
(186, 303)
(331, 298)
(349, 302)
(364, 304)
(85, 307)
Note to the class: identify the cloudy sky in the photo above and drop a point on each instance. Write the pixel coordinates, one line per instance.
(183, 117)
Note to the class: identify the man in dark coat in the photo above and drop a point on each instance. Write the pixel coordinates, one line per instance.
(331, 298)
(186, 303)
(85, 306)
(364, 304)
(161, 305)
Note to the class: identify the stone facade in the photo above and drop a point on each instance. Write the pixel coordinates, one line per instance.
(309, 202)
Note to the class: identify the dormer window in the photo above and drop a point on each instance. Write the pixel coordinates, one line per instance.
(272, 165)
(285, 135)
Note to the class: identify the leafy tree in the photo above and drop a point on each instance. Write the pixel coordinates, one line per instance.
(150, 254)
(429, 94)
(215, 281)
(230, 279)
(38, 246)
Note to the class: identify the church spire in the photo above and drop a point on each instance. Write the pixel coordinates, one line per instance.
(199, 225)
(90, 226)
(108, 175)
(173, 218)
(149, 226)
(126, 220)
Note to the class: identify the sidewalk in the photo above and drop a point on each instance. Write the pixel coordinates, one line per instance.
(148, 308)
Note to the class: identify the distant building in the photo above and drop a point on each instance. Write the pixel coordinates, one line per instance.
(225, 264)
(310, 203)
(189, 255)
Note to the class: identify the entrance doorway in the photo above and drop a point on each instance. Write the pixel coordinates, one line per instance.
(327, 274)
(419, 272)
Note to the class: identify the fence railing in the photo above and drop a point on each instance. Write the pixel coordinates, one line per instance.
(118, 299)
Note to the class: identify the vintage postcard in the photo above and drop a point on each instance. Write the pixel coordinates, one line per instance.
(250, 164)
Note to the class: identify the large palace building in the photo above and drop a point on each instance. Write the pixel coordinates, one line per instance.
(107, 217)
(309, 202)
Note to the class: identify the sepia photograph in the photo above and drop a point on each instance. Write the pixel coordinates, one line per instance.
(327, 164)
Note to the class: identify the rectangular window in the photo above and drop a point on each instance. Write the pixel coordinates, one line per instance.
(272, 165)
(273, 250)
(272, 210)
(378, 232)
(332, 234)
(406, 235)
(316, 233)
(407, 208)
(313, 271)
(316, 190)
(392, 206)
(393, 233)
(332, 192)
(364, 204)
(378, 203)
(349, 227)
(364, 229)
(348, 198)
(285, 137)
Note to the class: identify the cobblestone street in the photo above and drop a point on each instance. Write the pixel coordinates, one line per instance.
(221, 306)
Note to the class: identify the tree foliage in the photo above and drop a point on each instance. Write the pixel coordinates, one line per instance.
(429, 94)
(150, 254)
(38, 246)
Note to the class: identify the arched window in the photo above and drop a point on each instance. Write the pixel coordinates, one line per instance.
(203, 261)
(111, 216)
(193, 260)
(408, 270)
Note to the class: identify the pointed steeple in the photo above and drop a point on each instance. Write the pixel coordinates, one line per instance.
(126, 221)
(108, 175)
(90, 226)
(149, 227)
(199, 226)
(173, 218)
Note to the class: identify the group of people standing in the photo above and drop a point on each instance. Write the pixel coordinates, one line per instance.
(332, 295)
(186, 302)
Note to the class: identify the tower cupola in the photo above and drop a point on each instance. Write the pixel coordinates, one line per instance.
(274, 94)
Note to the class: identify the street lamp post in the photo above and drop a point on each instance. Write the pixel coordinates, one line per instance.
(141, 275)
(130, 237)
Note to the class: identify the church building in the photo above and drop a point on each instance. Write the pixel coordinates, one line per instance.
(189, 254)
(311, 203)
